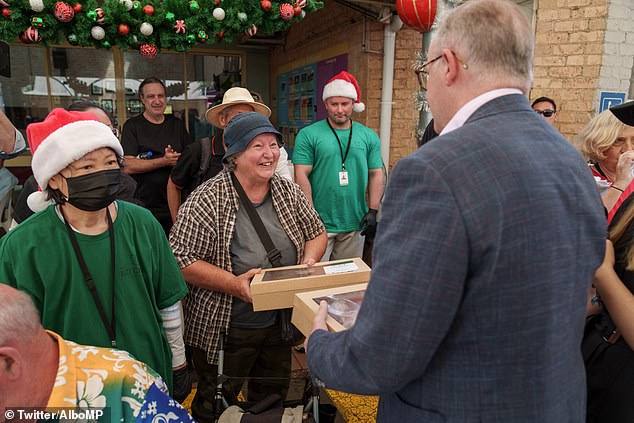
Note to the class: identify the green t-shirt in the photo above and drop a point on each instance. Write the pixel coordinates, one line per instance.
(340, 207)
(38, 258)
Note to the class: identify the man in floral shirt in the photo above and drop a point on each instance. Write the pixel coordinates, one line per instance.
(42, 372)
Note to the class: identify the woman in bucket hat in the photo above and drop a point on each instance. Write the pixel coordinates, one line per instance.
(189, 173)
(218, 250)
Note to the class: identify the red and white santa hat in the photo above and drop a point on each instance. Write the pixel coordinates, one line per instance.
(62, 138)
(344, 85)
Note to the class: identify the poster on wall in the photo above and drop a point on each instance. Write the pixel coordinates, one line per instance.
(299, 96)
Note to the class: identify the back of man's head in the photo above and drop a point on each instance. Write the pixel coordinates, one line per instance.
(19, 319)
(494, 38)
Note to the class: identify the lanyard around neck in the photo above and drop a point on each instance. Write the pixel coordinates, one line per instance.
(90, 283)
(343, 157)
(601, 172)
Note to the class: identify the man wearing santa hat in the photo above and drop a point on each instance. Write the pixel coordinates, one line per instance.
(336, 161)
(100, 271)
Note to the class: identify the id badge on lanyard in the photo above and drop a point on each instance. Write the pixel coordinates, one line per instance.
(343, 175)
(343, 178)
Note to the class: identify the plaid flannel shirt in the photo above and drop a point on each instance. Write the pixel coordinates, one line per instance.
(204, 231)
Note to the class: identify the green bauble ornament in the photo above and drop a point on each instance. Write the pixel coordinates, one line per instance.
(202, 36)
(92, 15)
(191, 38)
(105, 44)
(72, 39)
(242, 16)
(169, 16)
(37, 22)
(193, 6)
(136, 5)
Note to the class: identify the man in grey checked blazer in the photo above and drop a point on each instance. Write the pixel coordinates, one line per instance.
(490, 236)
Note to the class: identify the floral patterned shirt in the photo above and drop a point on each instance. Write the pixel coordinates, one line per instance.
(126, 390)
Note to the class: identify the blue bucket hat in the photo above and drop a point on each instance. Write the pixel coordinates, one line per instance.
(241, 130)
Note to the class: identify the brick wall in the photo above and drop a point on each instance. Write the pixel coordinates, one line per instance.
(569, 51)
(337, 30)
(405, 114)
(618, 53)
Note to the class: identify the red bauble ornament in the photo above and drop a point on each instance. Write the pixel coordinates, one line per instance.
(220, 35)
(266, 5)
(123, 29)
(149, 51)
(217, 2)
(33, 35)
(297, 10)
(418, 14)
(77, 7)
(148, 9)
(251, 31)
(63, 12)
(6, 12)
(286, 11)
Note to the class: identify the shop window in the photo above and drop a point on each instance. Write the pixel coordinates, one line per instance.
(208, 77)
(45, 78)
(83, 75)
(24, 96)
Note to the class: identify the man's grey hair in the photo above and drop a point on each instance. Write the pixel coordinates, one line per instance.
(19, 319)
(493, 38)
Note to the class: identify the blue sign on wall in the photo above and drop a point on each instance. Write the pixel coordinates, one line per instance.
(608, 100)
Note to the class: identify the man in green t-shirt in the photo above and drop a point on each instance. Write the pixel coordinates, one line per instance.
(336, 161)
(100, 271)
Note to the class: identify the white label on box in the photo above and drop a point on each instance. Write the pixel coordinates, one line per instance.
(340, 268)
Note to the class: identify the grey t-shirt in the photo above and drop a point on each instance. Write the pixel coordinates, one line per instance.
(247, 252)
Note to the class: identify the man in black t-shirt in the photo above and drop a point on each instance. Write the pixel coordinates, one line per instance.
(186, 177)
(152, 142)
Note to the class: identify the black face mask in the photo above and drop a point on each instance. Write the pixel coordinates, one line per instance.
(94, 191)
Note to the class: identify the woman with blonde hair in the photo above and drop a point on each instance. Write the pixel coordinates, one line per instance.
(607, 141)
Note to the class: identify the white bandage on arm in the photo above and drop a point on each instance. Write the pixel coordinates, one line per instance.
(173, 325)
(20, 143)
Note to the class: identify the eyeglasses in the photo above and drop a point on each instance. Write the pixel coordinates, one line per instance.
(422, 73)
(546, 113)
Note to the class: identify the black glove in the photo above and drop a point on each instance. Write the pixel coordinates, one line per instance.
(368, 223)
(182, 384)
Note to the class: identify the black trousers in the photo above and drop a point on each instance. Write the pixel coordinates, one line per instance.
(257, 356)
(609, 377)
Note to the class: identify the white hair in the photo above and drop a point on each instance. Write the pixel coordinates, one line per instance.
(493, 38)
(19, 319)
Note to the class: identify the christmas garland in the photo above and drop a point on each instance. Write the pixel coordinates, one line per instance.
(147, 25)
